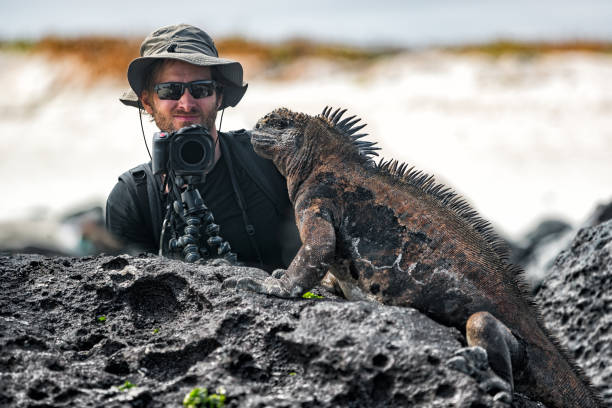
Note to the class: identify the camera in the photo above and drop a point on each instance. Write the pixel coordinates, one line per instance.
(189, 151)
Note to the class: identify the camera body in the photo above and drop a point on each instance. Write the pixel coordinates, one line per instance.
(189, 151)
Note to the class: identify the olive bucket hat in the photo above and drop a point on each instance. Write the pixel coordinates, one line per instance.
(185, 43)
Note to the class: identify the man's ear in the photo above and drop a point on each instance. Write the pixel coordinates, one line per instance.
(144, 100)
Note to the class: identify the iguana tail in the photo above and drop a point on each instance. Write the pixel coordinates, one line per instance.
(554, 378)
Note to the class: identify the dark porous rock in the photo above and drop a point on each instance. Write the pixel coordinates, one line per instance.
(80, 331)
(602, 213)
(576, 300)
(537, 250)
(546, 231)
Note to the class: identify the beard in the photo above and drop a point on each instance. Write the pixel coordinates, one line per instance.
(168, 123)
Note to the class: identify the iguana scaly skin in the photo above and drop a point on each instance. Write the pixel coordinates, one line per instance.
(393, 235)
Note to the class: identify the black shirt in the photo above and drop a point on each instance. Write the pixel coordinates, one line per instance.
(219, 196)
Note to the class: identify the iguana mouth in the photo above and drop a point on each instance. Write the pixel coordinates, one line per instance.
(261, 141)
(257, 136)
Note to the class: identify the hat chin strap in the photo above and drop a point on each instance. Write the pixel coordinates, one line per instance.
(221, 120)
(142, 128)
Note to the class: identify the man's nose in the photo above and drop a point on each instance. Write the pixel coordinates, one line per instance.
(186, 100)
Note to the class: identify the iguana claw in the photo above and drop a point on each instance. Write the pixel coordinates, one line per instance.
(267, 286)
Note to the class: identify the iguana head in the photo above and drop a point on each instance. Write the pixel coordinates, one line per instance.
(278, 136)
(293, 141)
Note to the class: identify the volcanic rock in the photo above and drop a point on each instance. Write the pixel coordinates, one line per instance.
(536, 251)
(74, 330)
(576, 300)
(602, 213)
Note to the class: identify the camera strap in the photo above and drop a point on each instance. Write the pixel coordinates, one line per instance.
(249, 228)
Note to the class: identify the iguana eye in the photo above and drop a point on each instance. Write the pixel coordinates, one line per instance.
(284, 123)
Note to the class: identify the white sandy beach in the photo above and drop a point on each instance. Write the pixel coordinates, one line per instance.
(521, 139)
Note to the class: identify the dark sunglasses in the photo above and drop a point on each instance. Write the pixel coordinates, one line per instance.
(174, 90)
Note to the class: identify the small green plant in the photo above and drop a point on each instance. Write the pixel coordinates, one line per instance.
(310, 295)
(293, 373)
(199, 398)
(101, 319)
(126, 386)
(155, 331)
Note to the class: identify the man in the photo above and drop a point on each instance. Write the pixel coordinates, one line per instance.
(179, 80)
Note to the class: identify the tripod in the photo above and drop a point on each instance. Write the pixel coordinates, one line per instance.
(199, 220)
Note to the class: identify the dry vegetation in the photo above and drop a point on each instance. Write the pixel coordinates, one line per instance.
(109, 57)
(507, 47)
(291, 50)
(100, 56)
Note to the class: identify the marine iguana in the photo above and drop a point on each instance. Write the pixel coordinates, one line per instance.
(391, 234)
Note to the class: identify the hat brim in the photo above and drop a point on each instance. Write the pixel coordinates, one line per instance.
(129, 98)
(231, 71)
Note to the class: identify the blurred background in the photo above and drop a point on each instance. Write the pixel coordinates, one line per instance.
(508, 102)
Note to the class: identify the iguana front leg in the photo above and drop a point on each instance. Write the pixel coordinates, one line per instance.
(309, 265)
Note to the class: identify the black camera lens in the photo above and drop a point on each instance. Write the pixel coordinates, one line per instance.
(192, 152)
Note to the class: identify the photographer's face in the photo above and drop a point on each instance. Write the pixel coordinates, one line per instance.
(172, 115)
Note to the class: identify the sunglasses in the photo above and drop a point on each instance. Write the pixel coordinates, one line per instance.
(174, 90)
